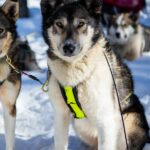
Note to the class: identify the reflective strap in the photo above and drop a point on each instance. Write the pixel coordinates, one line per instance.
(72, 102)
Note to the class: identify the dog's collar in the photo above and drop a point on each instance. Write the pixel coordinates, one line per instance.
(70, 96)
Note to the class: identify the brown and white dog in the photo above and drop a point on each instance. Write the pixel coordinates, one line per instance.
(125, 34)
(76, 59)
(10, 81)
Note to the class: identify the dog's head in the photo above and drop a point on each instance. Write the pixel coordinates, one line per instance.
(9, 12)
(71, 28)
(121, 27)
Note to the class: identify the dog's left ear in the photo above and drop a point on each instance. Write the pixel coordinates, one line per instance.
(11, 9)
(48, 6)
(134, 16)
(93, 6)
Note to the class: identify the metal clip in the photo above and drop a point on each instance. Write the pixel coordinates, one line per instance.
(45, 87)
(8, 60)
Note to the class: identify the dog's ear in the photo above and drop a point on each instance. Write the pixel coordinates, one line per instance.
(107, 18)
(47, 6)
(134, 16)
(11, 9)
(93, 6)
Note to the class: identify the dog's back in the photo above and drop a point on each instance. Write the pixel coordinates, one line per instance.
(132, 110)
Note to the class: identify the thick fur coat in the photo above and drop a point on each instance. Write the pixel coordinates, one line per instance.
(125, 35)
(76, 57)
(10, 81)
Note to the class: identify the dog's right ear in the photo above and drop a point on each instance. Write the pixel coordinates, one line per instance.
(11, 9)
(109, 19)
(47, 6)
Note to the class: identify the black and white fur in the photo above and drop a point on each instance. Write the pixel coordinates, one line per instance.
(76, 58)
(9, 79)
(125, 34)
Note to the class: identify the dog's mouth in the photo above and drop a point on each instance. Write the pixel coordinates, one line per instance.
(66, 57)
(69, 50)
(72, 53)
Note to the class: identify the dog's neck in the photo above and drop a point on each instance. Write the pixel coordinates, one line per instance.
(11, 54)
(74, 73)
(6, 72)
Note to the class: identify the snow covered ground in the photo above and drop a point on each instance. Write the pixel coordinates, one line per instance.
(34, 128)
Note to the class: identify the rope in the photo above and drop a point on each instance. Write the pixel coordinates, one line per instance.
(126, 98)
(124, 130)
(44, 85)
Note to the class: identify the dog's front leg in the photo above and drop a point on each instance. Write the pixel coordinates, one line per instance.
(61, 123)
(110, 136)
(8, 95)
(10, 122)
(61, 115)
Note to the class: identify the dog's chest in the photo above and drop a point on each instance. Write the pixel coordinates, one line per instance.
(95, 95)
(4, 71)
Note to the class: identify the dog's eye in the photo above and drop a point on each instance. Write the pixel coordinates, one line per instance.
(81, 24)
(59, 24)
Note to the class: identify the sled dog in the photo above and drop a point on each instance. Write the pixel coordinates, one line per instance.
(125, 34)
(79, 70)
(9, 79)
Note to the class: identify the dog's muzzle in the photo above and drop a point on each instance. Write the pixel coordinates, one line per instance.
(69, 49)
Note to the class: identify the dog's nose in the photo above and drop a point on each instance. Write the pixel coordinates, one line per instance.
(68, 49)
(117, 34)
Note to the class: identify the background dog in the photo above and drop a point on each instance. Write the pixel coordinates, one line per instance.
(9, 79)
(125, 34)
(76, 58)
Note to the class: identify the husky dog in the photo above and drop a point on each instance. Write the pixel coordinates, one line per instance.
(125, 34)
(76, 58)
(9, 79)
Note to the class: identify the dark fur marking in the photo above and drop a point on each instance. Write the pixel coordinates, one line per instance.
(14, 77)
(13, 111)
(51, 55)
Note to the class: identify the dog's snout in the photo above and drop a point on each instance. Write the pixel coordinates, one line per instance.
(117, 34)
(68, 49)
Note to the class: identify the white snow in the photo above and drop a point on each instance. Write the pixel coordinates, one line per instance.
(34, 128)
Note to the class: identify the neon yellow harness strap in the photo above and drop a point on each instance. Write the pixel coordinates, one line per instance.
(72, 103)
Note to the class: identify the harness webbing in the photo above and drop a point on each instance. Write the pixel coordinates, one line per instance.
(44, 85)
(71, 98)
